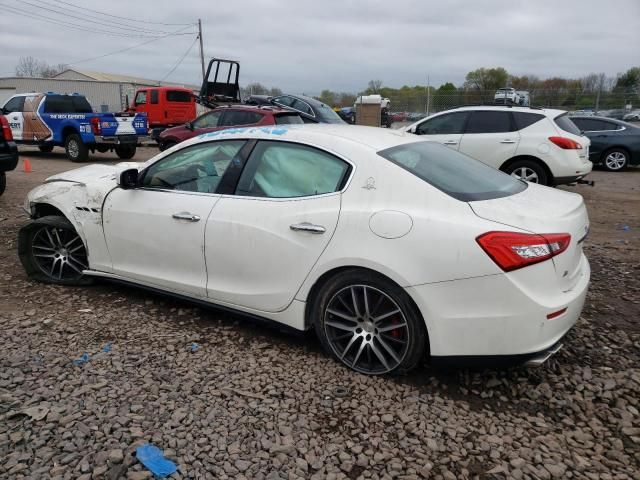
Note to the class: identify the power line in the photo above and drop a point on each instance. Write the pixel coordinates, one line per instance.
(69, 24)
(181, 59)
(92, 18)
(124, 18)
(131, 47)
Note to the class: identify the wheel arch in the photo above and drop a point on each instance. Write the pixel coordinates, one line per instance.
(530, 158)
(68, 130)
(331, 273)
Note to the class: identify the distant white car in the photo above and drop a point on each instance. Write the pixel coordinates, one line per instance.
(539, 146)
(506, 95)
(632, 117)
(389, 246)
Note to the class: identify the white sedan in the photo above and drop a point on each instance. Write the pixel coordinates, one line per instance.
(389, 246)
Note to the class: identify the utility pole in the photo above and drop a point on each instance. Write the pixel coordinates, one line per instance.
(201, 49)
(428, 94)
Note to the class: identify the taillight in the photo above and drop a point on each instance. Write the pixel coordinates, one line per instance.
(6, 129)
(565, 143)
(511, 250)
(95, 126)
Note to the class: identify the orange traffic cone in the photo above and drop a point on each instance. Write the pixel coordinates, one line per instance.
(27, 165)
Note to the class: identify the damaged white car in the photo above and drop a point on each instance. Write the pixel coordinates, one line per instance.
(389, 246)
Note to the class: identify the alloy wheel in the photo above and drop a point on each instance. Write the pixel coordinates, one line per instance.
(74, 149)
(59, 253)
(526, 174)
(366, 329)
(615, 160)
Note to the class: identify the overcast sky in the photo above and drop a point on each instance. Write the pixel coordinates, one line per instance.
(308, 45)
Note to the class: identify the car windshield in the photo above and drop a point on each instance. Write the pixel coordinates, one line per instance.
(453, 173)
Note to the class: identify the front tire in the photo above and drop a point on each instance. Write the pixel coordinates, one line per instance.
(75, 148)
(615, 160)
(51, 251)
(369, 324)
(529, 171)
(125, 152)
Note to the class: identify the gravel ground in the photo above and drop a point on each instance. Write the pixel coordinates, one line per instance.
(252, 402)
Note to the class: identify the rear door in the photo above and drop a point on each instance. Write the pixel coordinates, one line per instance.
(600, 132)
(446, 129)
(179, 106)
(13, 112)
(262, 242)
(490, 136)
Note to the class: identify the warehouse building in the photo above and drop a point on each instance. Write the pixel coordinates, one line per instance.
(106, 92)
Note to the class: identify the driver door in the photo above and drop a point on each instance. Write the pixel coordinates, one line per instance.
(446, 129)
(155, 233)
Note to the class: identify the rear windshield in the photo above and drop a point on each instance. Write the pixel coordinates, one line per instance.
(288, 119)
(178, 96)
(326, 114)
(66, 104)
(565, 123)
(453, 173)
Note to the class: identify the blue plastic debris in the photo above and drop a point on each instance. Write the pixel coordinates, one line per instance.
(152, 458)
(82, 360)
(107, 348)
(194, 346)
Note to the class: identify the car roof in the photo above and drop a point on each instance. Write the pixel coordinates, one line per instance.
(255, 108)
(500, 108)
(310, 100)
(324, 135)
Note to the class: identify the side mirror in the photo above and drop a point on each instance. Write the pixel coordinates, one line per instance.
(129, 179)
(189, 125)
(413, 129)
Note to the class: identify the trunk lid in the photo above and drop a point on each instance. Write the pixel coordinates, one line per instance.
(543, 210)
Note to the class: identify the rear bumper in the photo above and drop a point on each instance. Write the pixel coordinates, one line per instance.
(499, 315)
(120, 139)
(8, 157)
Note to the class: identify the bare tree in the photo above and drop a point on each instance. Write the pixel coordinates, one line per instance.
(32, 67)
(374, 86)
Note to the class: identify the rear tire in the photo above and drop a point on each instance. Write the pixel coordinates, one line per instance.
(75, 148)
(126, 152)
(3, 182)
(528, 171)
(51, 251)
(46, 148)
(369, 324)
(615, 160)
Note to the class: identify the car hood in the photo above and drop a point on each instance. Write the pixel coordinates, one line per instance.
(92, 174)
(178, 130)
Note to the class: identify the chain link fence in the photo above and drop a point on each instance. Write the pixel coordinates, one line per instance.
(563, 100)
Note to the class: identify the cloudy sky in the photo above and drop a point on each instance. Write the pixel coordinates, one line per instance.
(309, 45)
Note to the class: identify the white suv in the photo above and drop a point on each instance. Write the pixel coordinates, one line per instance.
(536, 145)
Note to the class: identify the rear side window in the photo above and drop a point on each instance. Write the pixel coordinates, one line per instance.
(564, 122)
(66, 104)
(16, 104)
(178, 96)
(288, 119)
(448, 124)
(287, 170)
(237, 117)
(489, 122)
(524, 119)
(453, 173)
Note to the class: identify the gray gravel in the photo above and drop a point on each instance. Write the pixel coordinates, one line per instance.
(255, 403)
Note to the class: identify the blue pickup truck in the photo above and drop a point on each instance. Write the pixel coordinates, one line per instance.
(49, 120)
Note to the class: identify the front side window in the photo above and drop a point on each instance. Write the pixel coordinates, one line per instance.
(289, 170)
(489, 122)
(453, 173)
(303, 107)
(154, 96)
(198, 168)
(16, 104)
(447, 124)
(141, 97)
(208, 120)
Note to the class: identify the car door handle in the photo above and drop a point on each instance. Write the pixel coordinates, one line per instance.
(508, 140)
(186, 216)
(450, 142)
(308, 227)
(15, 118)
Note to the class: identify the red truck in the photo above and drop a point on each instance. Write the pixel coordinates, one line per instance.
(165, 107)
